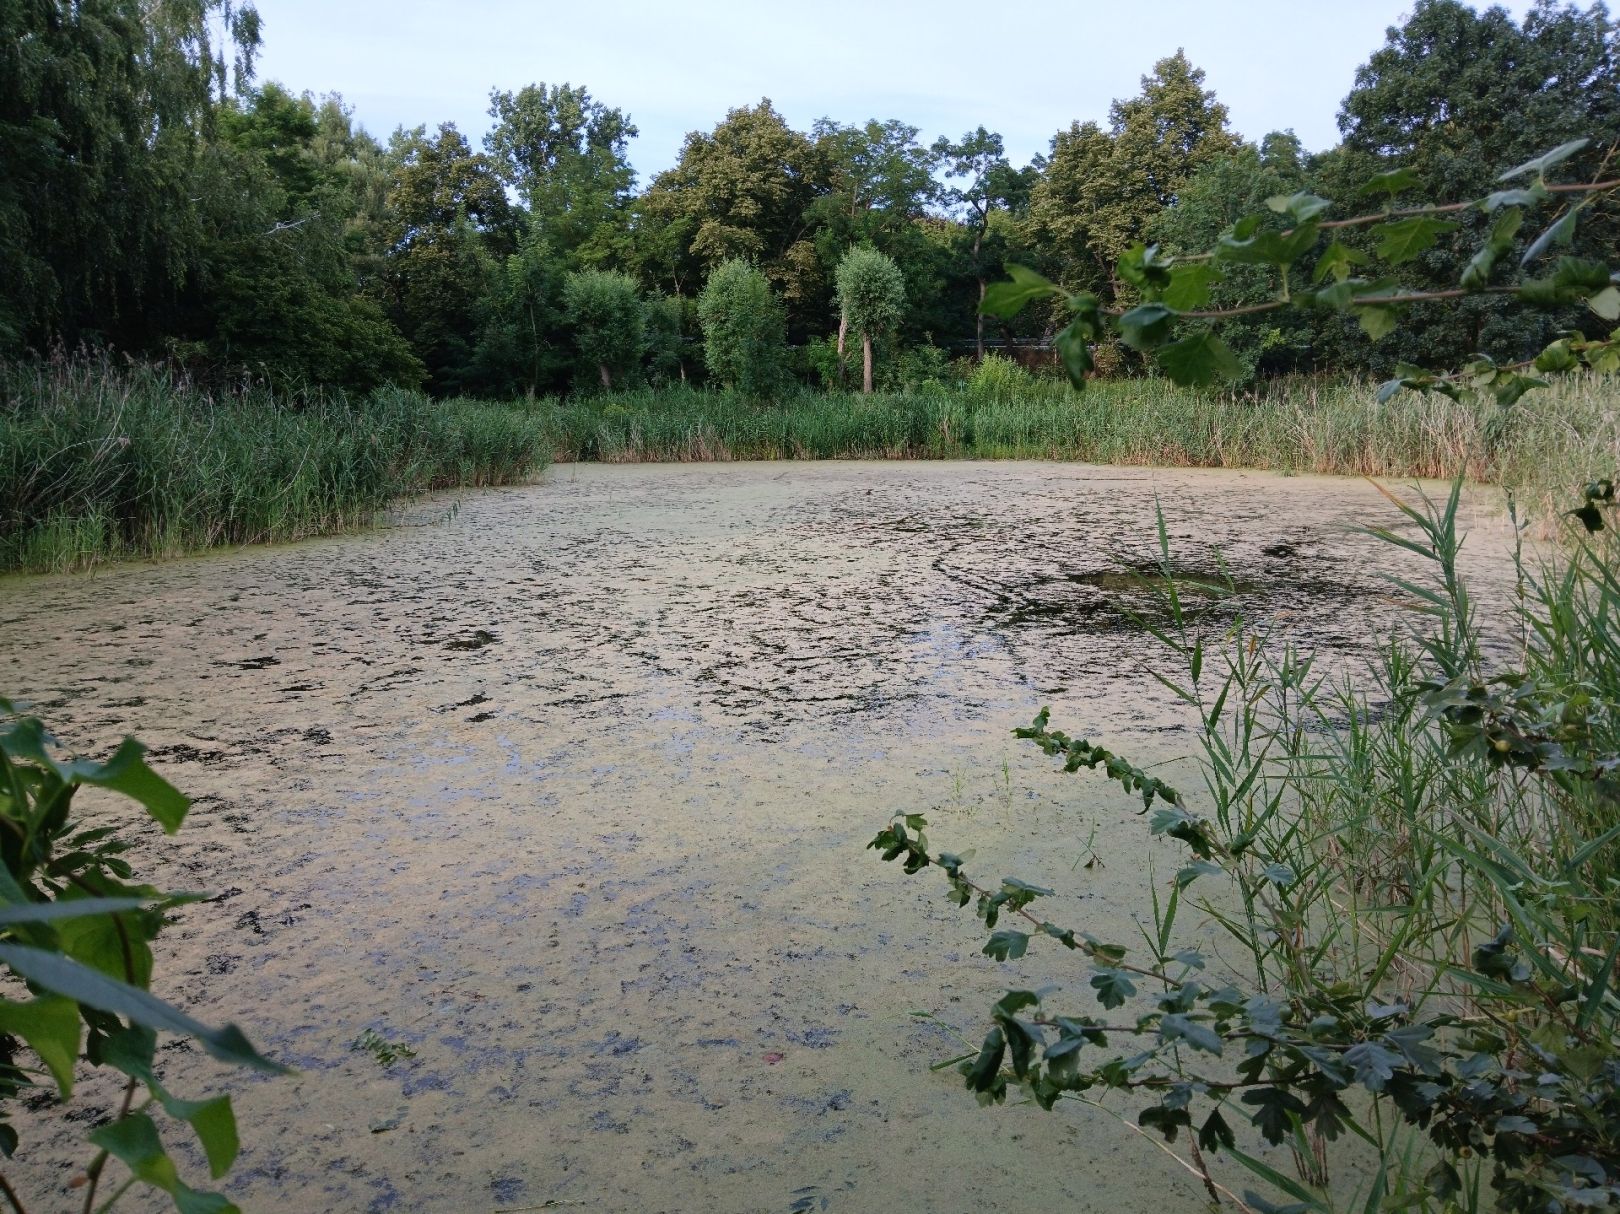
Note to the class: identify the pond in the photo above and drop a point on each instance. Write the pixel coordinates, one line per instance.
(566, 788)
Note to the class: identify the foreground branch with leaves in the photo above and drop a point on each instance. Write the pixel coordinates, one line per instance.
(75, 939)
(1289, 240)
(1418, 865)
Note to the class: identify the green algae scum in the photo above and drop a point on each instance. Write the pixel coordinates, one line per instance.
(557, 802)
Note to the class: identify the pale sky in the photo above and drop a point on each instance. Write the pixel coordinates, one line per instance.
(1024, 69)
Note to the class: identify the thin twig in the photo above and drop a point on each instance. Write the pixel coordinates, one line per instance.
(11, 1195)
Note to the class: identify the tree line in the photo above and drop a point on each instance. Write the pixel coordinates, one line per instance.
(156, 200)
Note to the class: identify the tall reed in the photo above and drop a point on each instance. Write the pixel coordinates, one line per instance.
(1539, 448)
(100, 463)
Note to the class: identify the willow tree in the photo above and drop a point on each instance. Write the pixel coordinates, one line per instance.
(871, 299)
(744, 345)
(105, 106)
(604, 307)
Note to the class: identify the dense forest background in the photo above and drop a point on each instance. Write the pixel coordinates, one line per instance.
(156, 200)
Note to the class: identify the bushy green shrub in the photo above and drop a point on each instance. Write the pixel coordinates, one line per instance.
(604, 309)
(998, 379)
(915, 368)
(744, 342)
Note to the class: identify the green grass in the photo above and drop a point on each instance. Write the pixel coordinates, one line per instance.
(99, 464)
(1542, 448)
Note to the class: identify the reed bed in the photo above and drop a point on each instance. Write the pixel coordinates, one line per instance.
(101, 463)
(1541, 448)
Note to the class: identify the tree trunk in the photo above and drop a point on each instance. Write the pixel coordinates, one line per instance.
(978, 324)
(978, 317)
(866, 363)
(843, 333)
(607, 376)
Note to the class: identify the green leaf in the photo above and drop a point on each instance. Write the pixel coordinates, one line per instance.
(1391, 182)
(1189, 286)
(1014, 1002)
(1280, 875)
(1560, 232)
(1167, 1120)
(1606, 303)
(1509, 386)
(1266, 248)
(1113, 987)
(97, 941)
(982, 1073)
(1546, 160)
(1389, 388)
(1405, 239)
(1007, 299)
(1443, 1181)
(1199, 359)
(1377, 320)
(1006, 944)
(1215, 1133)
(1074, 350)
(1477, 273)
(133, 1141)
(67, 977)
(1275, 1113)
(50, 1026)
(214, 1123)
(1177, 1027)
(1021, 1043)
(1557, 357)
(1198, 868)
(1145, 326)
(190, 1201)
(127, 773)
(1514, 198)
(1144, 269)
(49, 912)
(1372, 1064)
(1338, 259)
(1299, 207)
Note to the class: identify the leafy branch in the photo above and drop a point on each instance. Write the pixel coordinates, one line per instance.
(77, 934)
(1177, 290)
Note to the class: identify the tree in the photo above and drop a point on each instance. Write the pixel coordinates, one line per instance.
(279, 129)
(879, 188)
(744, 345)
(604, 307)
(1100, 189)
(274, 288)
(448, 228)
(523, 346)
(877, 169)
(1215, 198)
(565, 155)
(667, 321)
(740, 191)
(1453, 95)
(989, 183)
(104, 107)
(871, 298)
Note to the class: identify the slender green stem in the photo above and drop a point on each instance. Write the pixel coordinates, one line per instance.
(112, 1198)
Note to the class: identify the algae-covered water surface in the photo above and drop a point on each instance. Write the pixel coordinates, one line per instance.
(533, 824)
